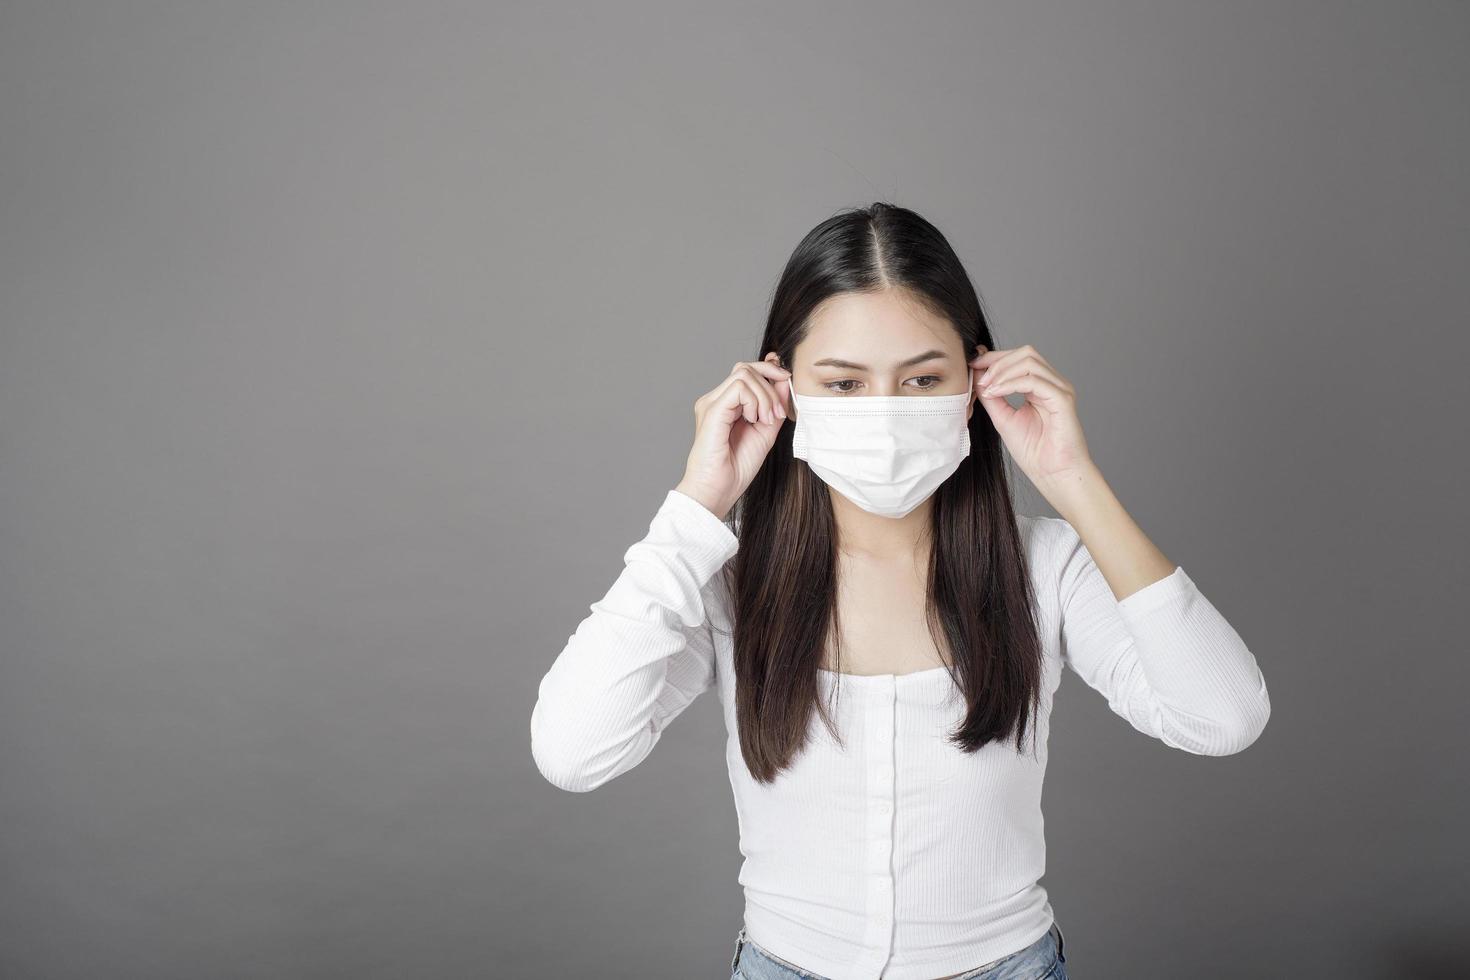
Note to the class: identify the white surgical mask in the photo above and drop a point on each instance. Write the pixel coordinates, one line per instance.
(885, 453)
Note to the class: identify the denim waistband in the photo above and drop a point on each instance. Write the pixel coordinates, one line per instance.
(742, 940)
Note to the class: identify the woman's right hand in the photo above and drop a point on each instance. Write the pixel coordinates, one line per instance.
(735, 426)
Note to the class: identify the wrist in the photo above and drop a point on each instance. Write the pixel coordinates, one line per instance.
(711, 502)
(1077, 493)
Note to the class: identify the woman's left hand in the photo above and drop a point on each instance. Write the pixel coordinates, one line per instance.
(1044, 434)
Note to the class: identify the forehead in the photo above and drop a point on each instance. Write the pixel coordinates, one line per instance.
(876, 328)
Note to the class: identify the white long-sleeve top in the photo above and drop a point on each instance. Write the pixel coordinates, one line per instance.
(895, 855)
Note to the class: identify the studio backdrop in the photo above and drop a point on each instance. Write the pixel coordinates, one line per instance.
(346, 348)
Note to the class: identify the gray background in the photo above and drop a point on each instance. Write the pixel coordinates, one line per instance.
(347, 346)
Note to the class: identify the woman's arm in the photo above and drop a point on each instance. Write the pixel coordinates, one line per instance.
(646, 651)
(640, 658)
(1136, 628)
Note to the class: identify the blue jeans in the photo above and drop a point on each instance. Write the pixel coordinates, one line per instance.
(1042, 960)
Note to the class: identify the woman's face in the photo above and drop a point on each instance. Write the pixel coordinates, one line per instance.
(864, 344)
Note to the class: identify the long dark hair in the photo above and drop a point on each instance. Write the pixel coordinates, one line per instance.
(782, 580)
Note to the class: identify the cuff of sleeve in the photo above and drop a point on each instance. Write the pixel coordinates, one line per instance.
(1161, 593)
(710, 540)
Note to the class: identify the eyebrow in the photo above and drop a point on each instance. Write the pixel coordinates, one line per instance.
(928, 355)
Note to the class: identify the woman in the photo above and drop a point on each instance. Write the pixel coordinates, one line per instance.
(843, 564)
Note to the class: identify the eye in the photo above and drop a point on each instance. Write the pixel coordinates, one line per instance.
(934, 381)
(832, 386)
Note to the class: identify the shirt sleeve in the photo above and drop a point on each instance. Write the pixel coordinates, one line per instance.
(1164, 656)
(641, 657)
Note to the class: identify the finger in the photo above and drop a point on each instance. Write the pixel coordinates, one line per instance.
(1006, 366)
(980, 351)
(1022, 367)
(776, 416)
(1034, 354)
(977, 390)
(743, 398)
(769, 369)
(1037, 354)
(999, 410)
(1004, 360)
(765, 395)
(775, 374)
(1012, 364)
(714, 414)
(774, 377)
(716, 396)
(1037, 390)
(989, 357)
(757, 398)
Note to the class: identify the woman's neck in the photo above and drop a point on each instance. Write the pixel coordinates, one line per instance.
(863, 535)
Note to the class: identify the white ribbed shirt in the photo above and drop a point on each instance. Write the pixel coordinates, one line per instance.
(894, 855)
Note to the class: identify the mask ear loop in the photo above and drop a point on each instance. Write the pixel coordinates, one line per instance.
(791, 390)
